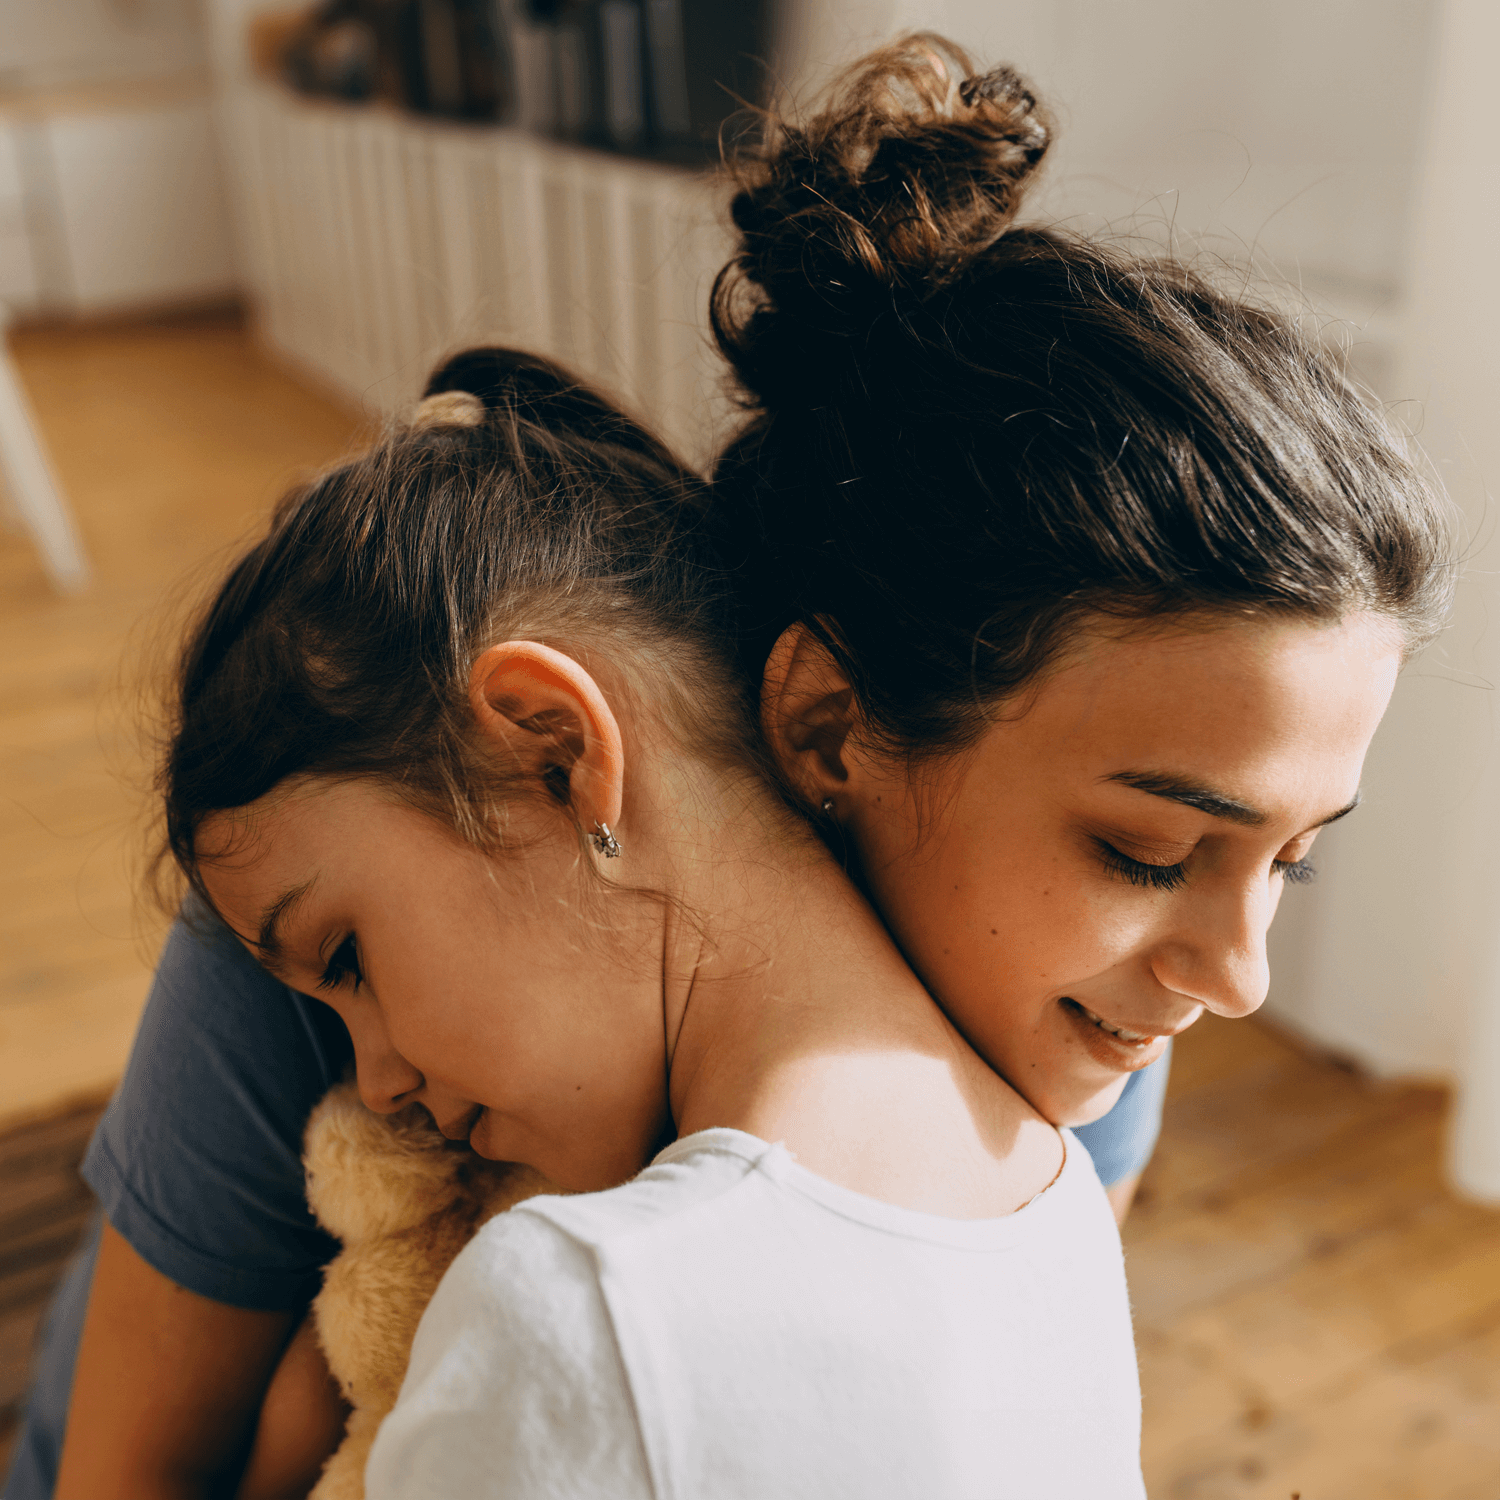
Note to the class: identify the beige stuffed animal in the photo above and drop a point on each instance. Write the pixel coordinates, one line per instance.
(404, 1201)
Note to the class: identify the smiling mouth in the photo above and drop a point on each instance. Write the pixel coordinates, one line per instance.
(1130, 1038)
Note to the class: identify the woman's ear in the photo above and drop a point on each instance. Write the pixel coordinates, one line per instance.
(539, 707)
(807, 714)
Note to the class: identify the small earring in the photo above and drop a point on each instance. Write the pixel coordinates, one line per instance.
(605, 842)
(828, 807)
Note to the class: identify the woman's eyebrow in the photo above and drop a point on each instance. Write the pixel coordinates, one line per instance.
(1206, 799)
(268, 937)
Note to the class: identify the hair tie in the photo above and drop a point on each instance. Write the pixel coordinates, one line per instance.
(448, 409)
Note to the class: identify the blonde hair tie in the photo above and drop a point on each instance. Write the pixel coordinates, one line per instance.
(448, 409)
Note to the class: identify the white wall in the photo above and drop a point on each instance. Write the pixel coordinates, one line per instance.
(18, 287)
(111, 190)
(1404, 943)
(1283, 126)
(46, 43)
(140, 197)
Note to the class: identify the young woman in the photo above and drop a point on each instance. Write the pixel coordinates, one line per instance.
(975, 445)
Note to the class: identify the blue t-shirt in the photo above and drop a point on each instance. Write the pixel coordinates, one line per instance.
(198, 1160)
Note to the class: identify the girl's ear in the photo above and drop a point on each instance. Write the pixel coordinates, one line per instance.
(807, 715)
(543, 710)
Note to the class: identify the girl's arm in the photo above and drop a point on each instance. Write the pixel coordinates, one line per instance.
(167, 1385)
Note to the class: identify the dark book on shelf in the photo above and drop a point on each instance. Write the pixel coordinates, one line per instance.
(707, 58)
(623, 55)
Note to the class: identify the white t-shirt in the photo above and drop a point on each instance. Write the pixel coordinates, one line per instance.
(727, 1326)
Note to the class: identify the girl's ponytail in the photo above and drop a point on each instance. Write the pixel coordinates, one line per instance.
(512, 380)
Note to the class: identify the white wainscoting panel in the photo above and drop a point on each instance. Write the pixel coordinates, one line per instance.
(375, 243)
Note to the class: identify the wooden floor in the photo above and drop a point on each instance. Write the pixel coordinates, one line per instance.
(44, 1209)
(170, 440)
(1316, 1314)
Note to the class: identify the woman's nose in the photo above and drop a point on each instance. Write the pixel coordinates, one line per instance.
(1217, 956)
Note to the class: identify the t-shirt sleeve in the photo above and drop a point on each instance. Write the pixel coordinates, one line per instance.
(198, 1160)
(515, 1387)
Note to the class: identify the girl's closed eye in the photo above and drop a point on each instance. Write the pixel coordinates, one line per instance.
(1295, 871)
(342, 966)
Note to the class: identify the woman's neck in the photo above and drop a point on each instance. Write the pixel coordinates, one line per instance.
(794, 1017)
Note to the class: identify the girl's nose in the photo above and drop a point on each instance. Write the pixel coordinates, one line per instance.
(387, 1082)
(1217, 955)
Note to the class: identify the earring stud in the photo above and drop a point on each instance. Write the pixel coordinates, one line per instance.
(605, 842)
(828, 807)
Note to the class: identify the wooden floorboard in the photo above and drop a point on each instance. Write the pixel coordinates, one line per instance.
(1316, 1313)
(44, 1209)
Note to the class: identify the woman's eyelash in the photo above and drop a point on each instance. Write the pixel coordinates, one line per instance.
(1295, 871)
(1172, 877)
(1138, 872)
(343, 965)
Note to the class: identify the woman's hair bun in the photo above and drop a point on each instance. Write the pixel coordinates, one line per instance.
(909, 169)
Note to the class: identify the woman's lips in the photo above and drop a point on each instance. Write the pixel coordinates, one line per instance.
(1116, 1047)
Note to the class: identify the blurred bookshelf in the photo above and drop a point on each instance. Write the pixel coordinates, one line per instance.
(653, 78)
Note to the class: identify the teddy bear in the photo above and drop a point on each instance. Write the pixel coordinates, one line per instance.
(404, 1201)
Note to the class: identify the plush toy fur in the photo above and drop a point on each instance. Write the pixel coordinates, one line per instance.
(404, 1201)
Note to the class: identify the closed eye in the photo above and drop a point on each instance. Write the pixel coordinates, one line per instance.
(1295, 871)
(1138, 872)
(342, 966)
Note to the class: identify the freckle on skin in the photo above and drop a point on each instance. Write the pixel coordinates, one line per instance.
(994, 932)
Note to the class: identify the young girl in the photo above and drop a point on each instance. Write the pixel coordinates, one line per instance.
(460, 747)
(935, 491)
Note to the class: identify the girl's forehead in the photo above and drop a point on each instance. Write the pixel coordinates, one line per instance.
(288, 836)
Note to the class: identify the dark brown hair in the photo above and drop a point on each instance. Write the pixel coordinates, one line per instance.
(341, 643)
(968, 435)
